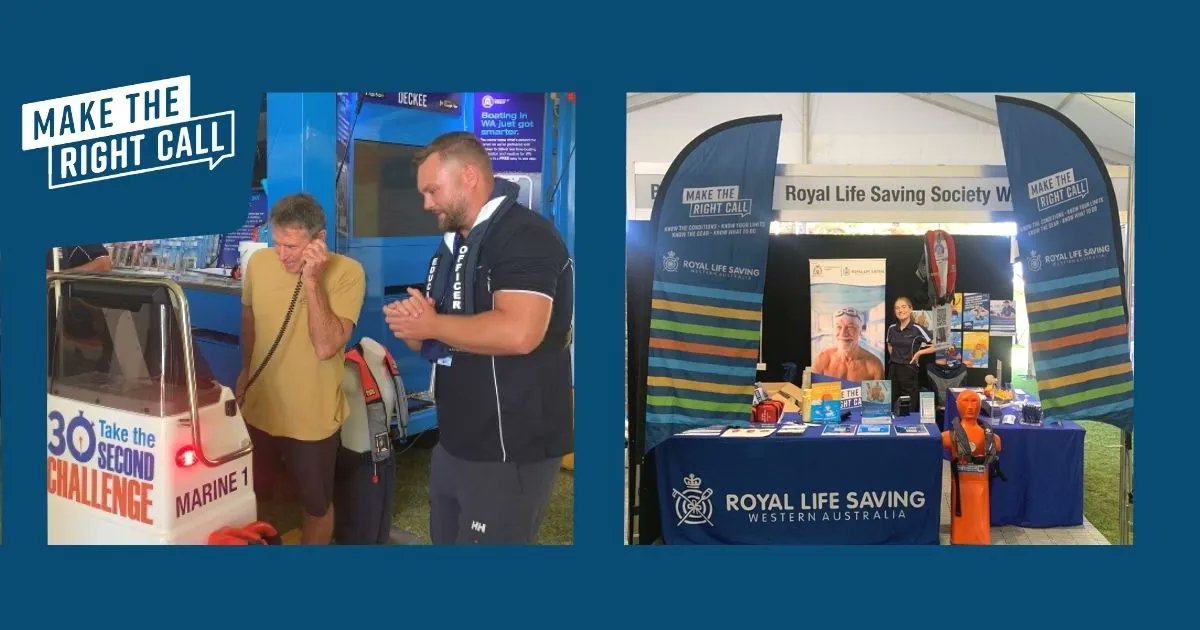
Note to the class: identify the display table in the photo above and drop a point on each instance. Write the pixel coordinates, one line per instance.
(802, 489)
(1044, 467)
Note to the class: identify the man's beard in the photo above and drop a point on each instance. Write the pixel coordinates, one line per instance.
(454, 219)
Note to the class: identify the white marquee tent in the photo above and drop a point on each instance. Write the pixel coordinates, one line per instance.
(892, 129)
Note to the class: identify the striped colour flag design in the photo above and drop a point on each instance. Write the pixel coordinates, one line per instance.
(1080, 345)
(703, 354)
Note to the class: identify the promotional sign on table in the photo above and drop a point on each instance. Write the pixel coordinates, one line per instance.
(1069, 238)
(711, 222)
(877, 399)
(851, 391)
(826, 402)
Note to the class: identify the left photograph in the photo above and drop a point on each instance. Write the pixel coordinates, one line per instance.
(381, 354)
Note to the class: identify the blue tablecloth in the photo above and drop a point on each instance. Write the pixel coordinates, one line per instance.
(803, 489)
(1044, 467)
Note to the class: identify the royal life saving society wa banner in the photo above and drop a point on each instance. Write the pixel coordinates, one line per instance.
(1068, 233)
(711, 224)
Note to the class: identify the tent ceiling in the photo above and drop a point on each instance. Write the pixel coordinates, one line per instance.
(1106, 117)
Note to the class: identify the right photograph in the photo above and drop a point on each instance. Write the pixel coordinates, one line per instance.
(879, 318)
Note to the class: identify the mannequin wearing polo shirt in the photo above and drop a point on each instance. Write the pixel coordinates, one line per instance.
(907, 341)
(496, 320)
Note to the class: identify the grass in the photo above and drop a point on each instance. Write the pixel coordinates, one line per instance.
(412, 501)
(1101, 471)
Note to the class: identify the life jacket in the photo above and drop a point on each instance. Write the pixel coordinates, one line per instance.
(375, 437)
(939, 267)
(944, 377)
(964, 459)
(365, 479)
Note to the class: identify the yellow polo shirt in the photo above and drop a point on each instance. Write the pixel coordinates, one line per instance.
(297, 395)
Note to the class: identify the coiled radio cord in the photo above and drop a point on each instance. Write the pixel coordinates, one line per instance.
(287, 318)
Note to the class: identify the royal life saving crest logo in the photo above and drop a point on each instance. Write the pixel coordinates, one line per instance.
(693, 506)
(671, 262)
(124, 131)
(1035, 261)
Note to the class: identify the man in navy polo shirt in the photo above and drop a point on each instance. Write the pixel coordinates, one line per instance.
(495, 317)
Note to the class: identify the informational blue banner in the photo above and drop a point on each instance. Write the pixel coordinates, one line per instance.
(512, 128)
(441, 102)
(1068, 232)
(711, 223)
(346, 113)
(256, 216)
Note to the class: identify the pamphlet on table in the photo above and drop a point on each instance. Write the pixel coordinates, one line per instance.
(877, 402)
(713, 430)
(826, 406)
(840, 429)
(928, 408)
(751, 432)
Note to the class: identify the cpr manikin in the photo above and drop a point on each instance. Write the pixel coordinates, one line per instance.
(974, 452)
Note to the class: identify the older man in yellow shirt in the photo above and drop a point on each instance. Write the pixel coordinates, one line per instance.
(295, 405)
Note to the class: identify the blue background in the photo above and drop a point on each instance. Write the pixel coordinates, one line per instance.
(235, 51)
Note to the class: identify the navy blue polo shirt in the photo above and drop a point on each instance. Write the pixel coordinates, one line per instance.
(75, 255)
(906, 341)
(514, 408)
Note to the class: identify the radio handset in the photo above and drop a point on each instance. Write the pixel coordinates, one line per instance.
(287, 318)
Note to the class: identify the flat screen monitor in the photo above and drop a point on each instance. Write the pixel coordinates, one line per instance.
(386, 199)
